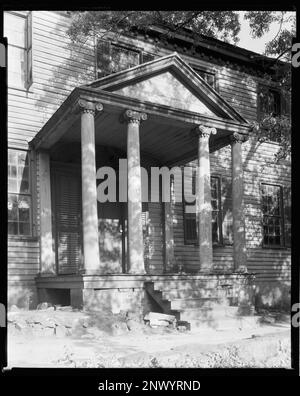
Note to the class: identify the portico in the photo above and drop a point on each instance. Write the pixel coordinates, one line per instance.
(160, 113)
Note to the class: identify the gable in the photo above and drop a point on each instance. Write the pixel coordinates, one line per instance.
(171, 82)
(166, 89)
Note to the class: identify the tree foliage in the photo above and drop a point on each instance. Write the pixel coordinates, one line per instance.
(223, 25)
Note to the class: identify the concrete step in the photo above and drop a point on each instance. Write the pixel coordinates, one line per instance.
(186, 303)
(208, 313)
(194, 284)
(173, 294)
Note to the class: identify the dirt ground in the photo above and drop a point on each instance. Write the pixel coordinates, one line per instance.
(50, 338)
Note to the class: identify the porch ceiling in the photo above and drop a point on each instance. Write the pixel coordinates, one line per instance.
(164, 142)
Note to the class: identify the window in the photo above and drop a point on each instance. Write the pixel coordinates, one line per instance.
(17, 29)
(276, 216)
(221, 212)
(19, 197)
(208, 76)
(269, 102)
(112, 58)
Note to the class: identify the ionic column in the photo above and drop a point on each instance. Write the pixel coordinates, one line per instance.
(239, 243)
(89, 188)
(134, 222)
(203, 198)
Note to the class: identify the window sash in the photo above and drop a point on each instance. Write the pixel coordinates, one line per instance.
(19, 42)
(106, 51)
(272, 220)
(19, 214)
(19, 197)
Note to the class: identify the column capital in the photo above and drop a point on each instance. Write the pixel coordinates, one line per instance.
(135, 117)
(203, 131)
(238, 138)
(89, 107)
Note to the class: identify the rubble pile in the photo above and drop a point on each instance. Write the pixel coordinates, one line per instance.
(64, 321)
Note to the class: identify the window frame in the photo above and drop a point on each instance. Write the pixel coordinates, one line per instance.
(190, 241)
(31, 235)
(281, 217)
(27, 49)
(210, 71)
(126, 46)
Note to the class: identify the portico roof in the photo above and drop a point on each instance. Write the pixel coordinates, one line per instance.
(175, 98)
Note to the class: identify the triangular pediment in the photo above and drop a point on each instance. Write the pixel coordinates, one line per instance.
(171, 82)
(166, 89)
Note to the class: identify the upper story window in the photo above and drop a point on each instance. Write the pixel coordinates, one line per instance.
(19, 193)
(113, 57)
(208, 76)
(18, 30)
(269, 102)
(276, 204)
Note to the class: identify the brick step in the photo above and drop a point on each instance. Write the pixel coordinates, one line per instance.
(225, 323)
(186, 303)
(198, 293)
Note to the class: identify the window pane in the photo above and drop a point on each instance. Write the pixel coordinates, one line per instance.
(123, 58)
(24, 228)
(12, 171)
(16, 66)
(12, 208)
(12, 185)
(14, 29)
(24, 187)
(12, 228)
(12, 157)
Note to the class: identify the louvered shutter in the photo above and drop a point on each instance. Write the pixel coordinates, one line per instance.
(29, 51)
(287, 215)
(103, 58)
(68, 222)
(226, 200)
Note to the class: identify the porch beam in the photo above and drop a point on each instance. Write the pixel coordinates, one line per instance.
(89, 188)
(239, 242)
(46, 242)
(203, 198)
(134, 202)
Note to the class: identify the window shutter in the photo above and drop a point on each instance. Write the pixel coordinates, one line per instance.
(287, 215)
(28, 81)
(68, 222)
(102, 58)
(226, 200)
